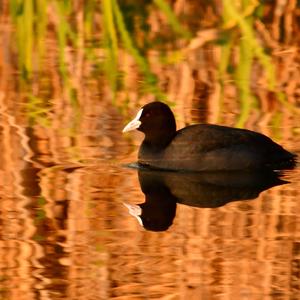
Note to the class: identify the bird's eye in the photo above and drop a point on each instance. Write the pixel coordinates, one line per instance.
(147, 115)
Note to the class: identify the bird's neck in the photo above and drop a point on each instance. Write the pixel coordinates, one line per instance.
(159, 140)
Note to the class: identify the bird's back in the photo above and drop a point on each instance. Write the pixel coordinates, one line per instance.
(213, 147)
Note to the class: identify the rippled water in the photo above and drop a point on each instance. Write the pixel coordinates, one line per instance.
(66, 231)
(78, 220)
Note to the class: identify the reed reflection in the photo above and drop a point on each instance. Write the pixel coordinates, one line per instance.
(163, 190)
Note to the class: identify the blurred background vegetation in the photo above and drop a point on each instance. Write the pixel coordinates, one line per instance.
(132, 48)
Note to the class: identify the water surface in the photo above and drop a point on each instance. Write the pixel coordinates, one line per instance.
(66, 233)
(67, 229)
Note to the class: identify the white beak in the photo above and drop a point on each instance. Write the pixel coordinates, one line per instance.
(135, 123)
(135, 211)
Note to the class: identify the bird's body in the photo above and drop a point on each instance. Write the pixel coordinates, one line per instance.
(203, 147)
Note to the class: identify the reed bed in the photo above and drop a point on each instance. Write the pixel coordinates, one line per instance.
(245, 42)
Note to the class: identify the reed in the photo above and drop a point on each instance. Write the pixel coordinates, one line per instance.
(248, 48)
(108, 31)
(30, 18)
(22, 14)
(110, 43)
(172, 19)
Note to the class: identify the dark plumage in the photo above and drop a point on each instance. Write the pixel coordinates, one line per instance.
(203, 147)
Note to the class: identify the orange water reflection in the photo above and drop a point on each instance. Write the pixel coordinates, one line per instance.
(64, 230)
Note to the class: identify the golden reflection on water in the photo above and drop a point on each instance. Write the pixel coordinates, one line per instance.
(64, 231)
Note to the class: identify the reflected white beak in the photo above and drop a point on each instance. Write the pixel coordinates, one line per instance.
(135, 211)
(135, 123)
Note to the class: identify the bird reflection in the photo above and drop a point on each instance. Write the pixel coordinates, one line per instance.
(163, 190)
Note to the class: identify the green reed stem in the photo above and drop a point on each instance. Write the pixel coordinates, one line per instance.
(111, 44)
(172, 19)
(23, 16)
(246, 27)
(249, 48)
(150, 78)
(41, 25)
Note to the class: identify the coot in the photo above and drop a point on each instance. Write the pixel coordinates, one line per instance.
(202, 147)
